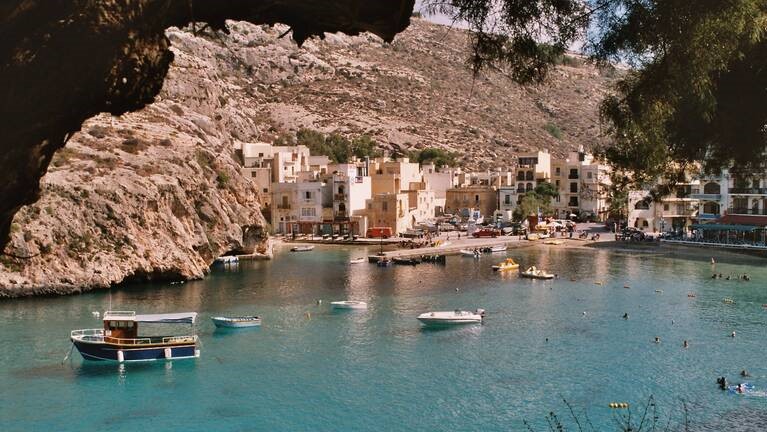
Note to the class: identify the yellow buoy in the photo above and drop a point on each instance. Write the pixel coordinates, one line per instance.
(618, 405)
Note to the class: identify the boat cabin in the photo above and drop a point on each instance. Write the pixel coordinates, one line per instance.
(125, 324)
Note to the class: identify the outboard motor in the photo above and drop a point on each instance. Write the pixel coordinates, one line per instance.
(481, 312)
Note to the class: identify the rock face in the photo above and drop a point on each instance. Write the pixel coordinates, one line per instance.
(63, 61)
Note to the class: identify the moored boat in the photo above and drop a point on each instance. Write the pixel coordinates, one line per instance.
(119, 339)
(449, 318)
(534, 273)
(508, 264)
(406, 261)
(304, 248)
(348, 304)
(236, 321)
(357, 260)
(471, 252)
(229, 259)
(498, 248)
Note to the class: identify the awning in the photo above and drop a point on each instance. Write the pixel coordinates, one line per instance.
(168, 318)
(725, 227)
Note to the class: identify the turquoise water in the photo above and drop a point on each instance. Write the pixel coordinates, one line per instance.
(310, 369)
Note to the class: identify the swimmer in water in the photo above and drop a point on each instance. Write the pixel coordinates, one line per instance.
(626, 315)
(686, 344)
(657, 339)
(744, 373)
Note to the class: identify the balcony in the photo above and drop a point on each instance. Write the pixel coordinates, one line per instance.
(283, 206)
(339, 197)
(747, 211)
(706, 196)
(749, 191)
(572, 176)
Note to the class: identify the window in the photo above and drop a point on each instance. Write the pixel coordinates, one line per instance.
(642, 205)
(665, 207)
(260, 155)
(573, 187)
(529, 187)
(266, 190)
(476, 198)
(558, 171)
(308, 211)
(529, 175)
(341, 189)
(385, 206)
(712, 188)
(573, 173)
(507, 199)
(521, 188)
(573, 202)
(520, 175)
(308, 195)
(711, 208)
(589, 175)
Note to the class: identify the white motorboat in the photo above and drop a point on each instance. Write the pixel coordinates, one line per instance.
(448, 318)
(305, 248)
(498, 248)
(357, 260)
(470, 252)
(534, 273)
(236, 321)
(348, 304)
(229, 259)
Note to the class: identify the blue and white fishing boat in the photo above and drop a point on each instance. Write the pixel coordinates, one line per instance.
(119, 340)
(236, 322)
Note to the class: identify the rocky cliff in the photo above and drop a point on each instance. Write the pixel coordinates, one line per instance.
(156, 194)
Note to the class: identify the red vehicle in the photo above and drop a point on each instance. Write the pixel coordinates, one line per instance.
(379, 232)
(485, 232)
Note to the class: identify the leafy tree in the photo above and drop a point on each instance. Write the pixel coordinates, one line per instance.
(538, 199)
(438, 156)
(335, 146)
(697, 84)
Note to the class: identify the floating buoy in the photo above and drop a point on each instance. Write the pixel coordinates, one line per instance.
(618, 405)
(658, 291)
(626, 286)
(319, 302)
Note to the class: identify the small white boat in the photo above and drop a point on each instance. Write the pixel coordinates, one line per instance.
(357, 260)
(305, 248)
(348, 304)
(534, 273)
(448, 318)
(236, 322)
(498, 248)
(470, 252)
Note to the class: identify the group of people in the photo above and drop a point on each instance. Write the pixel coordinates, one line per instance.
(744, 277)
(740, 388)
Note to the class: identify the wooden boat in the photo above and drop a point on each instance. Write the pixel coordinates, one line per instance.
(236, 321)
(508, 264)
(119, 340)
(534, 273)
(357, 260)
(348, 304)
(305, 248)
(450, 318)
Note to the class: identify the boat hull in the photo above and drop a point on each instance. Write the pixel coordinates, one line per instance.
(235, 324)
(110, 352)
(529, 276)
(445, 322)
(335, 305)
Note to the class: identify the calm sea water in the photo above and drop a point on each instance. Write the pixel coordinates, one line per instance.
(310, 369)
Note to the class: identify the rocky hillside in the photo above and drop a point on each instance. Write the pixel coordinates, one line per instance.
(156, 194)
(418, 92)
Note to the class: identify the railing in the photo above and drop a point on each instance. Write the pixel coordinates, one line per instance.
(97, 335)
(283, 206)
(752, 191)
(572, 176)
(706, 196)
(339, 197)
(746, 211)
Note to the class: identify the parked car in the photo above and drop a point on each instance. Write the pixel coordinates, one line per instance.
(485, 232)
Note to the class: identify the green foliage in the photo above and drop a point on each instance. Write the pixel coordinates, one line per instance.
(335, 146)
(698, 83)
(437, 156)
(222, 179)
(535, 200)
(553, 130)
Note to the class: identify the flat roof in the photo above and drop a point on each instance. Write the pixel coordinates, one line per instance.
(167, 318)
